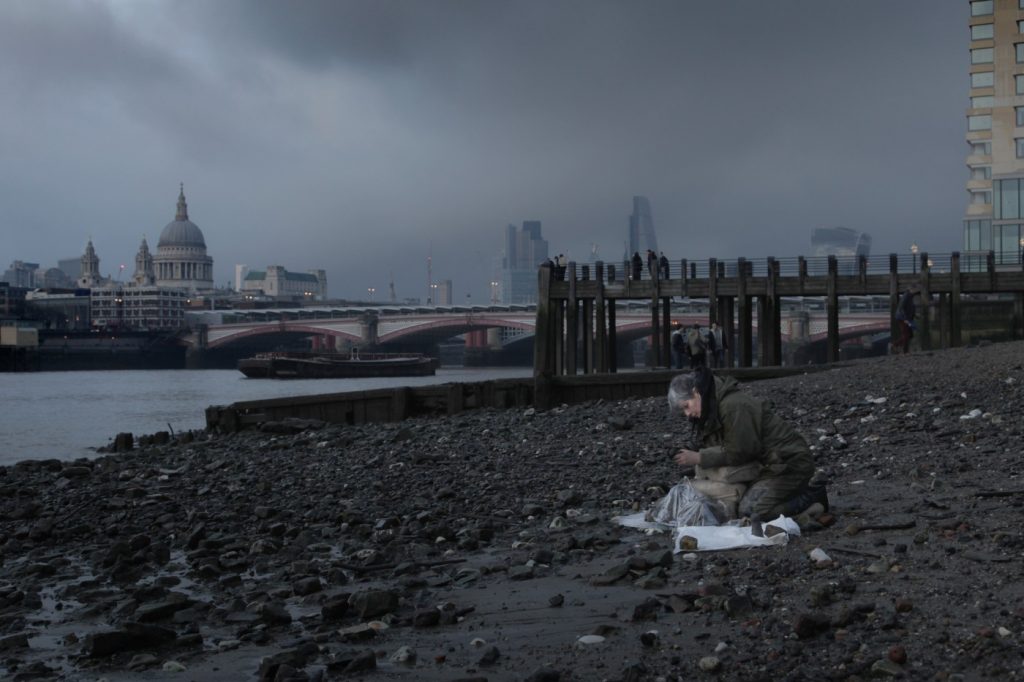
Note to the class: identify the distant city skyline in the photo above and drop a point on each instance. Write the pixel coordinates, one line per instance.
(363, 137)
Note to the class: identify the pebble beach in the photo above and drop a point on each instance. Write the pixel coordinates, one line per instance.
(482, 546)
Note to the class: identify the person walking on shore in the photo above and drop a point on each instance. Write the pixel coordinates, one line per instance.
(678, 343)
(696, 347)
(718, 353)
(734, 429)
(905, 313)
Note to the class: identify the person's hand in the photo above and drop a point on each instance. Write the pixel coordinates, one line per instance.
(687, 458)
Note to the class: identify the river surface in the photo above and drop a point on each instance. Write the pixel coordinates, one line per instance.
(64, 415)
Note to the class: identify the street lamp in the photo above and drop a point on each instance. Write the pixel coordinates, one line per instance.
(370, 290)
(913, 250)
(433, 294)
(494, 292)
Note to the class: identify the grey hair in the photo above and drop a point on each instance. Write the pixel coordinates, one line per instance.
(681, 388)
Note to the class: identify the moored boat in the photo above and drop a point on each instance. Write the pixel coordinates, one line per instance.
(288, 365)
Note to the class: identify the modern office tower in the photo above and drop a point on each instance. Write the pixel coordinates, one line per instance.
(995, 130)
(525, 250)
(72, 267)
(641, 228)
(21, 274)
(840, 241)
(443, 292)
(240, 272)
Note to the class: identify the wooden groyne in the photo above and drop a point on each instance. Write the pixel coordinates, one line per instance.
(395, 404)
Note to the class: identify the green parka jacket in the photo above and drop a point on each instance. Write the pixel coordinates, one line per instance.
(747, 430)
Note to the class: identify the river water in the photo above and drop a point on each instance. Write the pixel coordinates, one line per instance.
(64, 414)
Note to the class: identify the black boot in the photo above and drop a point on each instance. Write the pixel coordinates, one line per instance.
(804, 498)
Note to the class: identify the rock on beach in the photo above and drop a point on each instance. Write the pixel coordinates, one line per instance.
(327, 551)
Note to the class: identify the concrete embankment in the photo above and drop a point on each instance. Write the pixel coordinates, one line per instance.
(396, 404)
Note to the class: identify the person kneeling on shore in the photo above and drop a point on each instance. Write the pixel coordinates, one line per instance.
(743, 441)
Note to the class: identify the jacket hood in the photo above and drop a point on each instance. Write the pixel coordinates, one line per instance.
(724, 386)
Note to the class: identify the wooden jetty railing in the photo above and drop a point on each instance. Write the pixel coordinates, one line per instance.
(575, 331)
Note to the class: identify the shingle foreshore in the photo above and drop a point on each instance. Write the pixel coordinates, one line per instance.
(482, 546)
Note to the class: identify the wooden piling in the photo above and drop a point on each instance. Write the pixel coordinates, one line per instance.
(746, 332)
(832, 309)
(601, 344)
(543, 342)
(954, 301)
(924, 282)
(572, 320)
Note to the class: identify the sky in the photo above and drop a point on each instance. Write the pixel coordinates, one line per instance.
(364, 137)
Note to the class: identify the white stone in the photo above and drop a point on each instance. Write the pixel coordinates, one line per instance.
(819, 555)
(588, 640)
(174, 667)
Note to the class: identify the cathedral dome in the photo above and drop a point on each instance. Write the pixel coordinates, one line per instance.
(181, 231)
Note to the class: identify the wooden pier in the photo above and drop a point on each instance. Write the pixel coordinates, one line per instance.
(575, 330)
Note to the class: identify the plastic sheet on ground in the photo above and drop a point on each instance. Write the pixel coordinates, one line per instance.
(714, 538)
(711, 538)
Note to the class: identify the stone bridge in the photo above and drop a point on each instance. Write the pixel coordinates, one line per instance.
(393, 325)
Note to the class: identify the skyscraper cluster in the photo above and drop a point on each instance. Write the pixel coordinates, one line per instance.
(525, 249)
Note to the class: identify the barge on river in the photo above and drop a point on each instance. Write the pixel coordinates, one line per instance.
(290, 365)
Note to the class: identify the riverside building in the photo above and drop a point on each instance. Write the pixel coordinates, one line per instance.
(277, 283)
(995, 131)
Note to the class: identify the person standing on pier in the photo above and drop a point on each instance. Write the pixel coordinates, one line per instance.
(734, 429)
(905, 313)
(663, 266)
(638, 263)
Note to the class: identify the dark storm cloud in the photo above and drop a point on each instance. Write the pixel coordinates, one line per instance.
(360, 136)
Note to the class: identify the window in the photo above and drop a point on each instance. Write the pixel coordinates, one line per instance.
(1018, 143)
(973, 231)
(980, 8)
(981, 55)
(981, 122)
(1020, 27)
(981, 173)
(982, 79)
(981, 196)
(984, 102)
(982, 31)
(1007, 198)
(1018, 84)
(1006, 243)
(1019, 47)
(982, 148)
(1020, 115)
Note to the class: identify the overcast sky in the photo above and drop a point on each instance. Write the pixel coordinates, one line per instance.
(359, 137)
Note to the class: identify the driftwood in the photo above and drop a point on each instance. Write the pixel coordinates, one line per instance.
(855, 528)
(857, 552)
(998, 493)
(385, 567)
